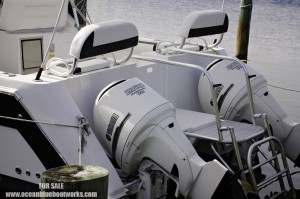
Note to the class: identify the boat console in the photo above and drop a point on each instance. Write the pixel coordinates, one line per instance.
(20, 15)
(25, 31)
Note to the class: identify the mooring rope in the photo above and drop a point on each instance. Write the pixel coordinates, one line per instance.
(282, 88)
(40, 122)
(80, 127)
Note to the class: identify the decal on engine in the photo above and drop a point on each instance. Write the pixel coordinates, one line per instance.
(138, 89)
(112, 122)
(218, 91)
(233, 66)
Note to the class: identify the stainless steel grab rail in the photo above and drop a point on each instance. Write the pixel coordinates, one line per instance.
(246, 73)
(212, 86)
(279, 174)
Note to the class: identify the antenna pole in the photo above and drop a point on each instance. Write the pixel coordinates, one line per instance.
(38, 76)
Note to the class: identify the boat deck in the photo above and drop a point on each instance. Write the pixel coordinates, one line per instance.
(203, 126)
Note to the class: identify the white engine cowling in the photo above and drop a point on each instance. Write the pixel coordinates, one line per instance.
(135, 125)
(124, 113)
(232, 89)
(233, 103)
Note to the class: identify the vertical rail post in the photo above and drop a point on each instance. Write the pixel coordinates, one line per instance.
(243, 30)
(81, 4)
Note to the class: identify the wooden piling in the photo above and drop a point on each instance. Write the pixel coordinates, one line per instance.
(243, 30)
(75, 181)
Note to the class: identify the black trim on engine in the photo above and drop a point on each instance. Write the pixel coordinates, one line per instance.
(36, 139)
(297, 161)
(229, 187)
(213, 64)
(107, 88)
(223, 96)
(117, 135)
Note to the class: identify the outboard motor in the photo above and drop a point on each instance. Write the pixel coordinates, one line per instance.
(138, 130)
(124, 114)
(233, 102)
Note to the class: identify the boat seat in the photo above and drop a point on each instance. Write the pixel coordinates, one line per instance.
(104, 37)
(203, 126)
(204, 23)
(95, 40)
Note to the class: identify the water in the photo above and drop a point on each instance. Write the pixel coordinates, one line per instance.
(274, 48)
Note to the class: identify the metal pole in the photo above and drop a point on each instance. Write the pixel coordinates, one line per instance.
(38, 75)
(284, 161)
(272, 146)
(236, 150)
(243, 30)
(80, 8)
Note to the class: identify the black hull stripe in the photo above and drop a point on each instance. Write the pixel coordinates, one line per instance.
(33, 135)
(8, 183)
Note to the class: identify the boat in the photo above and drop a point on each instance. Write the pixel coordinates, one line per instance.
(180, 120)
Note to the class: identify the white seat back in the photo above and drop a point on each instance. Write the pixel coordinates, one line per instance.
(105, 37)
(98, 39)
(203, 23)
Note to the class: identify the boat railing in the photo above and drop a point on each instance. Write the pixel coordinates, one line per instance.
(244, 67)
(211, 84)
(172, 48)
(275, 158)
(198, 24)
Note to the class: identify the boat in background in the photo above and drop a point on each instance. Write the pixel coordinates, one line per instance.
(181, 120)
